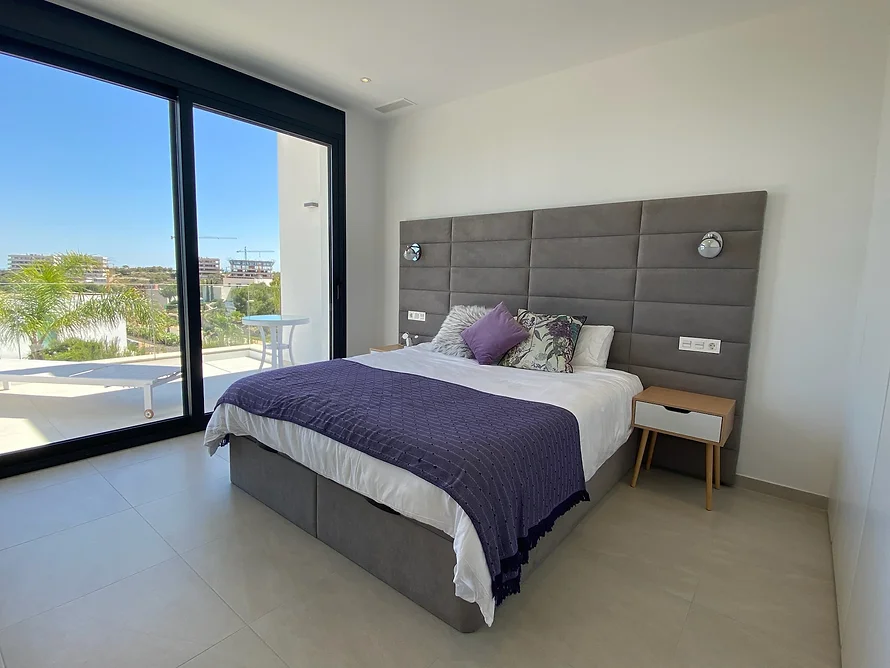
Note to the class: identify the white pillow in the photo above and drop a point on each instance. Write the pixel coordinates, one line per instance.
(593, 345)
(449, 341)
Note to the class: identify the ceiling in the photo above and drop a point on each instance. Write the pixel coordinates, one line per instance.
(430, 51)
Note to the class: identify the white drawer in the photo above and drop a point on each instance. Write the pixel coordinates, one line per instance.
(695, 425)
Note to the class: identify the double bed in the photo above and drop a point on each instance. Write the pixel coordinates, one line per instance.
(631, 266)
(305, 475)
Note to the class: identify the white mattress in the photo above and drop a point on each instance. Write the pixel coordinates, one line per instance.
(599, 398)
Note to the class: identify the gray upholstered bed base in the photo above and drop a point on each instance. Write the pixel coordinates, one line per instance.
(414, 559)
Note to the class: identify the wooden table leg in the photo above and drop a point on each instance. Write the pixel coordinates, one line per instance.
(640, 452)
(717, 467)
(709, 473)
(651, 450)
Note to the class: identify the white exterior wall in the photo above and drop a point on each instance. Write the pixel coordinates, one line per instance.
(116, 334)
(788, 103)
(305, 254)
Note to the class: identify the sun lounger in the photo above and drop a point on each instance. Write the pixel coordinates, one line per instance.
(145, 376)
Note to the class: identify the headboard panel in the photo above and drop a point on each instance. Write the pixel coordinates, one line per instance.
(632, 265)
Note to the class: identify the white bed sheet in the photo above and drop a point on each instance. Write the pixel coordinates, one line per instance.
(599, 398)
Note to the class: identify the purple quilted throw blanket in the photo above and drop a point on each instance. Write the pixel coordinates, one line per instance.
(514, 466)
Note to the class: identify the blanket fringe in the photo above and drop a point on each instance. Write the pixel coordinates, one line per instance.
(507, 582)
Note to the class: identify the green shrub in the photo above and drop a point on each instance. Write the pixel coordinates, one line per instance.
(79, 350)
(256, 299)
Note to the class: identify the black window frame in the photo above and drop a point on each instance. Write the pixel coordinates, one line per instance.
(60, 37)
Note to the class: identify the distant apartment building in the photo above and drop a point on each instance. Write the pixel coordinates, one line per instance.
(17, 261)
(95, 274)
(208, 266)
(247, 272)
(99, 273)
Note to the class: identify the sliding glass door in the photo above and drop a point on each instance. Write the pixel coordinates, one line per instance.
(167, 225)
(89, 309)
(264, 251)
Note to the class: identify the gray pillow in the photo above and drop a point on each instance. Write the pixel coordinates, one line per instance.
(449, 341)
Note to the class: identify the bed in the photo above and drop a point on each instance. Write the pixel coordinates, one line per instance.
(630, 265)
(401, 528)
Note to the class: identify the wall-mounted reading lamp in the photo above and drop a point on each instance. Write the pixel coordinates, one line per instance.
(710, 245)
(412, 253)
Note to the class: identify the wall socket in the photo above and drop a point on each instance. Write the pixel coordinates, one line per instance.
(696, 345)
(420, 316)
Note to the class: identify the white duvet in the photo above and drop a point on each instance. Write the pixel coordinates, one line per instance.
(599, 398)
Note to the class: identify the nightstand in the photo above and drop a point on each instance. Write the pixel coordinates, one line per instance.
(386, 349)
(697, 417)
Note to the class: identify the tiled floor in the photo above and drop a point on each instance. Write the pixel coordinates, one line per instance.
(149, 557)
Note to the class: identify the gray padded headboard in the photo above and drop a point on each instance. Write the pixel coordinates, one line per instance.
(633, 265)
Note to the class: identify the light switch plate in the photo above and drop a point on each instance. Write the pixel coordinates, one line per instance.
(420, 316)
(696, 345)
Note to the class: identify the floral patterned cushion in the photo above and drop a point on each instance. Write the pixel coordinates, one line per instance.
(550, 346)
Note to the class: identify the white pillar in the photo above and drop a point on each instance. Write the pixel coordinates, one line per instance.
(305, 255)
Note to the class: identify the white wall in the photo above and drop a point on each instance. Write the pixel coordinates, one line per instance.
(305, 260)
(304, 238)
(365, 246)
(860, 504)
(789, 103)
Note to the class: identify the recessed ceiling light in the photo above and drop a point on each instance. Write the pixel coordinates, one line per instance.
(365, 80)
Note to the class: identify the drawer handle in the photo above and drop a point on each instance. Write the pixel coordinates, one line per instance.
(677, 410)
(382, 507)
(263, 446)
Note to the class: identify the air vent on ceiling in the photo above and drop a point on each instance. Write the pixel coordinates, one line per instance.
(401, 103)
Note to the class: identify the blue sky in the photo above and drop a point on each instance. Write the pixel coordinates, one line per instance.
(86, 167)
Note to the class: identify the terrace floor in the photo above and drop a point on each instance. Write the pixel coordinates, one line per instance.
(36, 414)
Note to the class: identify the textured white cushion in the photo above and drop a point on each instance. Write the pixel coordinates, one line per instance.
(593, 345)
(449, 341)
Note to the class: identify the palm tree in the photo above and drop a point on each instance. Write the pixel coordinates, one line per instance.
(48, 298)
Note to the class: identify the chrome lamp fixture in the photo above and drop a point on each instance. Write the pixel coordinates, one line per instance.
(412, 253)
(710, 245)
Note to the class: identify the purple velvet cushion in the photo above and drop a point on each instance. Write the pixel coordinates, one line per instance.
(493, 335)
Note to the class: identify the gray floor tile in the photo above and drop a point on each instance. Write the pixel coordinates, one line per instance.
(260, 566)
(44, 478)
(711, 639)
(121, 458)
(242, 649)
(167, 600)
(44, 573)
(205, 512)
(592, 610)
(61, 637)
(44, 511)
(162, 476)
(649, 578)
(375, 626)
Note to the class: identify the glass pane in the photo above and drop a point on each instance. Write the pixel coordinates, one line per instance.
(263, 225)
(89, 337)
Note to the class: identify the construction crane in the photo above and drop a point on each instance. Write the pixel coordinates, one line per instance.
(172, 237)
(247, 250)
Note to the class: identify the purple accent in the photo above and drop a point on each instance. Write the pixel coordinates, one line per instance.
(514, 466)
(493, 335)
